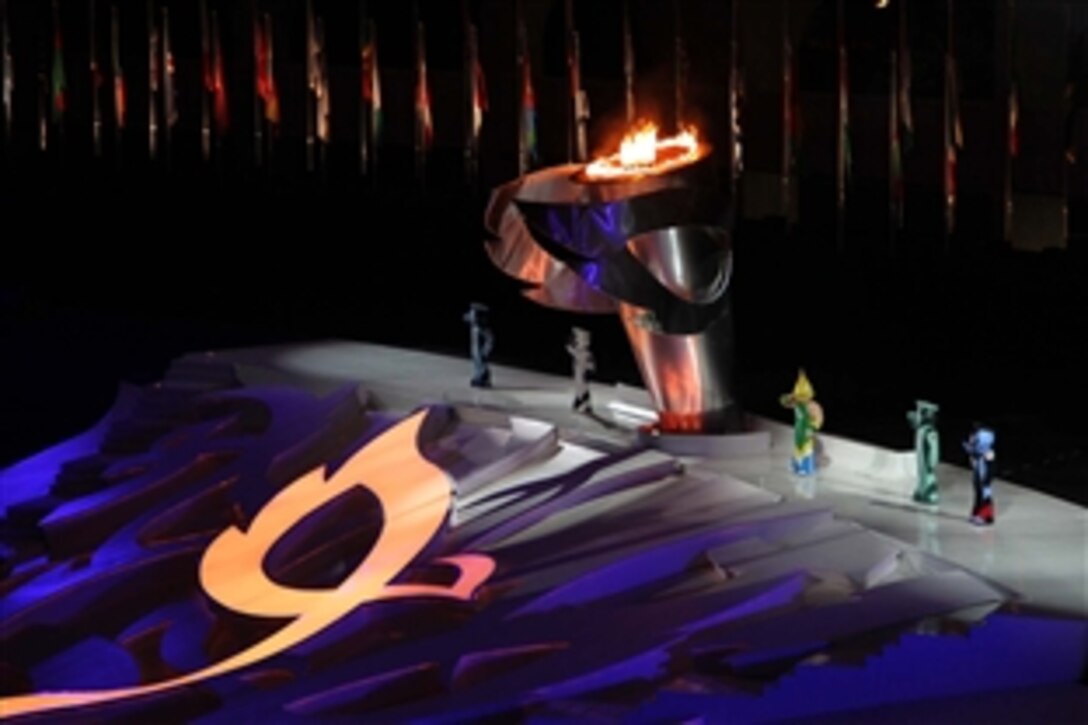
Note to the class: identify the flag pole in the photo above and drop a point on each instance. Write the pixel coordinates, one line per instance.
(469, 61)
(152, 82)
(372, 81)
(573, 79)
(322, 106)
(169, 103)
(421, 98)
(951, 113)
(96, 81)
(1012, 121)
(787, 111)
(8, 77)
(629, 64)
(221, 110)
(894, 147)
(680, 62)
(311, 85)
(207, 83)
(578, 102)
(1069, 156)
(59, 83)
(842, 124)
(363, 151)
(736, 149)
(526, 98)
(272, 109)
(119, 99)
(581, 104)
(904, 114)
(258, 116)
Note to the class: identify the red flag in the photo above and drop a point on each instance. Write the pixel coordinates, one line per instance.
(424, 119)
(60, 86)
(479, 101)
(372, 81)
(953, 138)
(8, 79)
(527, 141)
(1014, 121)
(206, 70)
(170, 111)
(119, 104)
(845, 160)
(266, 77)
(906, 112)
(218, 80)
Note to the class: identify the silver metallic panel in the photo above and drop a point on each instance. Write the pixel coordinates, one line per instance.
(655, 249)
(688, 376)
(692, 262)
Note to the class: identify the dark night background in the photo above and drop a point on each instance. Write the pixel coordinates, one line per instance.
(114, 266)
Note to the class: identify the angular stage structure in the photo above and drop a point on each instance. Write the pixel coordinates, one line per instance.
(648, 240)
(291, 534)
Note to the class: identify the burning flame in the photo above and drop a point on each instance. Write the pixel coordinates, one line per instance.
(643, 154)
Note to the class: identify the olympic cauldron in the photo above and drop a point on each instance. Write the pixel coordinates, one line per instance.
(644, 233)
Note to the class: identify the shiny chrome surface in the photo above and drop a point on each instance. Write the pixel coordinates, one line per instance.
(655, 249)
(692, 262)
(688, 376)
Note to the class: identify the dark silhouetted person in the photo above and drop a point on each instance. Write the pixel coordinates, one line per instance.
(481, 341)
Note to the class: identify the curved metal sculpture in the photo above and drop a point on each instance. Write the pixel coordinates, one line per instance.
(654, 249)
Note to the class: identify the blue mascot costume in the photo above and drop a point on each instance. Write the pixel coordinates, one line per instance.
(980, 449)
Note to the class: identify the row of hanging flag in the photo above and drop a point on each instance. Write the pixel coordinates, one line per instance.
(215, 112)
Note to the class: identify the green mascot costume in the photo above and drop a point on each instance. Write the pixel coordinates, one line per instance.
(927, 447)
(808, 417)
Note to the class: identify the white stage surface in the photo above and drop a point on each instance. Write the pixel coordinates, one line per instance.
(541, 565)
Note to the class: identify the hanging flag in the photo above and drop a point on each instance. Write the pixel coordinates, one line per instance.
(736, 100)
(154, 72)
(574, 81)
(321, 90)
(527, 137)
(896, 193)
(482, 104)
(424, 120)
(372, 84)
(791, 114)
(680, 62)
(170, 105)
(207, 80)
(905, 111)
(43, 112)
(797, 118)
(59, 85)
(953, 139)
(119, 77)
(96, 80)
(844, 161)
(479, 89)
(313, 82)
(119, 100)
(8, 79)
(787, 106)
(220, 107)
(266, 76)
(629, 64)
(1014, 120)
(372, 81)
(736, 96)
(530, 141)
